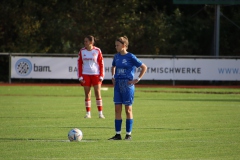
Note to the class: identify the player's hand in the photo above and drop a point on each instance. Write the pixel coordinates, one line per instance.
(113, 81)
(82, 81)
(133, 82)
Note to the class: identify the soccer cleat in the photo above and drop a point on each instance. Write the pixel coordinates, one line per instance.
(87, 116)
(101, 116)
(128, 137)
(116, 137)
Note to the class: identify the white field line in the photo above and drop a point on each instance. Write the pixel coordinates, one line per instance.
(104, 89)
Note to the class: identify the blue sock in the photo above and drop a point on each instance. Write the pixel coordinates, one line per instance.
(129, 124)
(118, 125)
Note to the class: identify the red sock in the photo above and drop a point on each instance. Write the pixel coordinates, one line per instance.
(99, 104)
(88, 105)
(99, 108)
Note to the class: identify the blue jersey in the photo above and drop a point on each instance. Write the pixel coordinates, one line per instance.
(125, 65)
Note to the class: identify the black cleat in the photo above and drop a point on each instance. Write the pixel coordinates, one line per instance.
(116, 137)
(128, 137)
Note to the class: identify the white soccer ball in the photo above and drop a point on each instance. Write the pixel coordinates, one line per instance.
(75, 135)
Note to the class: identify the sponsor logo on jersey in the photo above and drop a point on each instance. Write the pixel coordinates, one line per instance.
(124, 61)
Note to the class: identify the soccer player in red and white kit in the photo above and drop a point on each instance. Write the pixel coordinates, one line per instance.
(91, 73)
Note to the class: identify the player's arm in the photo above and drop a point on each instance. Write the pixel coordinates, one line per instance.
(80, 63)
(101, 65)
(143, 71)
(113, 69)
(113, 73)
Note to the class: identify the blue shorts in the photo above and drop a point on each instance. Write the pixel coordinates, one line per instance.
(123, 92)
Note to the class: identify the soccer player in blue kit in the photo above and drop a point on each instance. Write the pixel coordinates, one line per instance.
(124, 65)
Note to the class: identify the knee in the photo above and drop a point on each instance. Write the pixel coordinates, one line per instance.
(118, 111)
(128, 111)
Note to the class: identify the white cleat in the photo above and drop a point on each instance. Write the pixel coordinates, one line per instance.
(101, 116)
(87, 116)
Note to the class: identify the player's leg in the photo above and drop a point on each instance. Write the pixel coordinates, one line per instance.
(97, 90)
(118, 122)
(128, 101)
(118, 112)
(87, 91)
(118, 118)
(129, 122)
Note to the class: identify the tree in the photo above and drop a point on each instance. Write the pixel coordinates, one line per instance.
(152, 26)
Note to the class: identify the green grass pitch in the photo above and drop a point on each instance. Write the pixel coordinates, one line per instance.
(169, 123)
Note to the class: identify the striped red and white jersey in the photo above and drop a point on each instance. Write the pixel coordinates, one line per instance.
(90, 62)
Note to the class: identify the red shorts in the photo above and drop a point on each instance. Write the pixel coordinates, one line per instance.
(91, 80)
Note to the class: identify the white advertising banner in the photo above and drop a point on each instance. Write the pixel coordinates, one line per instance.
(158, 68)
(43, 67)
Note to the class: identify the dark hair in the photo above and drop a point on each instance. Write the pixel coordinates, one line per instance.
(123, 40)
(91, 38)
